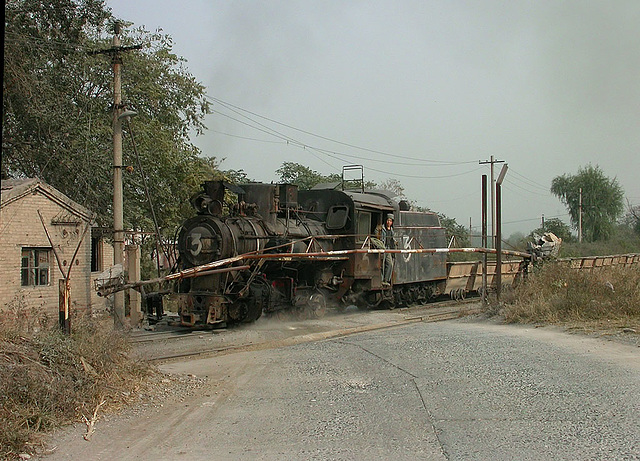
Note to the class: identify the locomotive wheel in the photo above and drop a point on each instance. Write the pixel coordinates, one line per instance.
(423, 295)
(372, 300)
(317, 305)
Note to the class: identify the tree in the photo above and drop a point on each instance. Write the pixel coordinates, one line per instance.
(602, 201)
(57, 111)
(304, 177)
(557, 227)
(632, 218)
(392, 185)
(456, 230)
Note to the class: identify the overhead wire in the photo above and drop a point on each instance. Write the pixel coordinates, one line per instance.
(246, 137)
(340, 156)
(529, 181)
(235, 109)
(508, 181)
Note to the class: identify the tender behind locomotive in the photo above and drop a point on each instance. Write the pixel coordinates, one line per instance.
(301, 249)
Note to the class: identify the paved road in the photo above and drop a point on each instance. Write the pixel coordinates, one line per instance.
(455, 390)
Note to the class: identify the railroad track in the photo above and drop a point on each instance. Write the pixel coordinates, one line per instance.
(223, 341)
(175, 333)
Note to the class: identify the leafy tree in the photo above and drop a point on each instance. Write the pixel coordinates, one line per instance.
(304, 177)
(57, 113)
(235, 176)
(632, 218)
(392, 185)
(456, 230)
(557, 227)
(602, 201)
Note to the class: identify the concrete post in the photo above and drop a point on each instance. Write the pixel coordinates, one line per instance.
(135, 298)
(118, 220)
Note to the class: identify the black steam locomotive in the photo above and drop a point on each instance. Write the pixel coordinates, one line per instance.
(261, 248)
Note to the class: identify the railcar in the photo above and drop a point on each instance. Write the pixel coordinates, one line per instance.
(288, 249)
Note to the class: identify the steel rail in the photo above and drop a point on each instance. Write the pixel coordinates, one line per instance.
(436, 315)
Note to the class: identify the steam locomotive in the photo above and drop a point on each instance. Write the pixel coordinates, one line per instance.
(263, 248)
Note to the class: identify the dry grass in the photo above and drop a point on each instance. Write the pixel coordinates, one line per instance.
(49, 380)
(555, 294)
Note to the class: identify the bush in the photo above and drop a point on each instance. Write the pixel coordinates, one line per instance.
(555, 293)
(48, 379)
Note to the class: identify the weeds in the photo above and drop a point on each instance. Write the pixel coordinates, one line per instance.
(557, 294)
(48, 379)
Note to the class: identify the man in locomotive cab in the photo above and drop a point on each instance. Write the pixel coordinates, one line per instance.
(389, 242)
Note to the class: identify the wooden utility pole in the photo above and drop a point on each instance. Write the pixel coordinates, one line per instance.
(493, 198)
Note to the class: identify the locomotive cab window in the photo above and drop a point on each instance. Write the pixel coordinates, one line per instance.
(337, 217)
(363, 225)
(366, 224)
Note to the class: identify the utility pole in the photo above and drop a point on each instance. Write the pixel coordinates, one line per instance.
(118, 207)
(118, 213)
(493, 198)
(580, 217)
(484, 240)
(542, 222)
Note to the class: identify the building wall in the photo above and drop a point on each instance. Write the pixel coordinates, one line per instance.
(99, 303)
(20, 227)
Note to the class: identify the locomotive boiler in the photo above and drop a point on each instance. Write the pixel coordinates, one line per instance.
(288, 249)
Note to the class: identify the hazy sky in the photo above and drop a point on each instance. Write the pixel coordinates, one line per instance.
(418, 91)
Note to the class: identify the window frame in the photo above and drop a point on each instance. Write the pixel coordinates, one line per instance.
(35, 269)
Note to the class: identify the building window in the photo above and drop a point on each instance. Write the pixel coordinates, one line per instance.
(96, 254)
(35, 266)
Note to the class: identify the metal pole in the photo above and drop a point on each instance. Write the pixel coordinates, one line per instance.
(118, 215)
(501, 176)
(64, 301)
(493, 207)
(493, 161)
(580, 217)
(484, 238)
(498, 240)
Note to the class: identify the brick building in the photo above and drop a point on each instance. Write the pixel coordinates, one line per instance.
(29, 269)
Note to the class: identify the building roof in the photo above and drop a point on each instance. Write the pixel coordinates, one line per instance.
(16, 189)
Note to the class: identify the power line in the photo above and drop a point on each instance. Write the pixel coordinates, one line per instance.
(530, 181)
(524, 189)
(246, 137)
(333, 154)
(235, 109)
